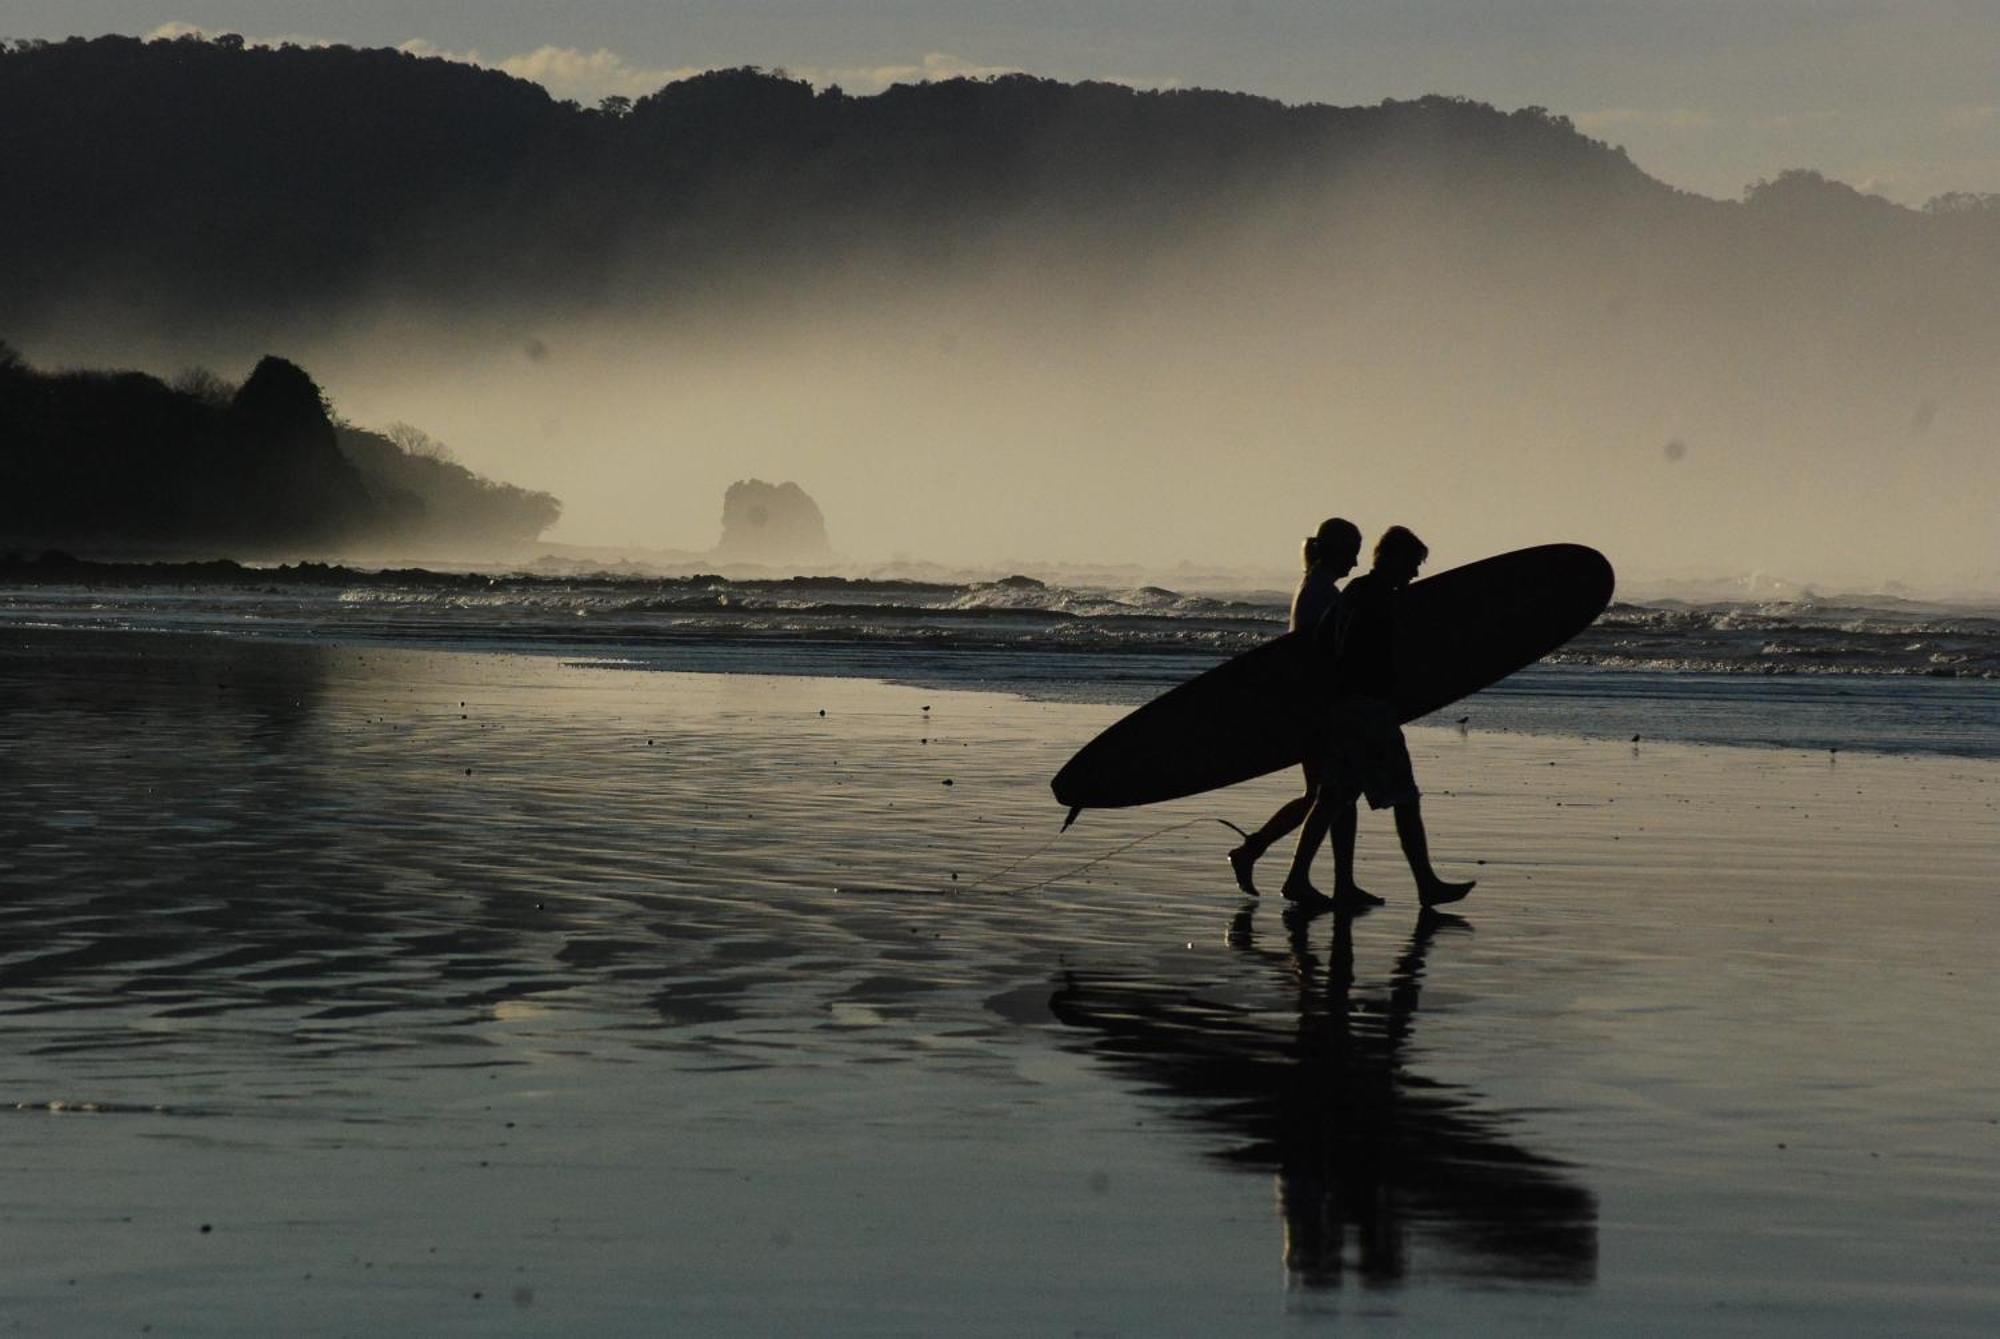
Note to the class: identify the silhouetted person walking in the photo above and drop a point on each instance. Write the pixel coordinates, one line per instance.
(1330, 554)
(1368, 755)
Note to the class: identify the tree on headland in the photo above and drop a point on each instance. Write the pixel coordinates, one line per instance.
(414, 441)
(1981, 208)
(450, 507)
(204, 385)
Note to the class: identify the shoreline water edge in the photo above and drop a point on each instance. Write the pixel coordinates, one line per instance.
(1895, 676)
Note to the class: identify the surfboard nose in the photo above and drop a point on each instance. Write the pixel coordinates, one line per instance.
(1594, 572)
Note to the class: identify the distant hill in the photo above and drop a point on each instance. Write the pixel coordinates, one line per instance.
(150, 182)
(122, 464)
(190, 174)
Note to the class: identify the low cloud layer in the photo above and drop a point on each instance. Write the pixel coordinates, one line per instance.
(567, 72)
(589, 77)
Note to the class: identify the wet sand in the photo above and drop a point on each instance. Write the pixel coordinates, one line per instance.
(438, 992)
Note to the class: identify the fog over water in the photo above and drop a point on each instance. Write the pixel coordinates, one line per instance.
(956, 430)
(1210, 418)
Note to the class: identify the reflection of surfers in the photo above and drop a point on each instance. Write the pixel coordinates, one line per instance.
(1372, 1163)
(1368, 755)
(1339, 1172)
(1330, 555)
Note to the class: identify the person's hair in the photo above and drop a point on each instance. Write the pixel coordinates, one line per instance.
(1335, 535)
(1397, 542)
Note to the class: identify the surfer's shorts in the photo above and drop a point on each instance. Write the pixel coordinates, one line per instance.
(1368, 755)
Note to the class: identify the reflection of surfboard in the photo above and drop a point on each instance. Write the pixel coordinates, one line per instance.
(1457, 632)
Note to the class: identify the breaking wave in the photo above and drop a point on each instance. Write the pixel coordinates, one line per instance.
(1015, 614)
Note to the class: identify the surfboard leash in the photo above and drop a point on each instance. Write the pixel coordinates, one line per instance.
(1093, 861)
(1005, 870)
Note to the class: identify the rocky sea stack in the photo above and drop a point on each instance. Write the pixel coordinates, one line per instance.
(771, 524)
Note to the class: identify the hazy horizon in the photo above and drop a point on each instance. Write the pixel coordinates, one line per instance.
(990, 426)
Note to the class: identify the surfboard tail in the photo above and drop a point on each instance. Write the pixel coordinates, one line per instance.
(1074, 811)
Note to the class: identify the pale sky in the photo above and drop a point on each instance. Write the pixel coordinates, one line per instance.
(1896, 98)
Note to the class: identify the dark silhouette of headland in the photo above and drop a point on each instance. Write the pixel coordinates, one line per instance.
(118, 464)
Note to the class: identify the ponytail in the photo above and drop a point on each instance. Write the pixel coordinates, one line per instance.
(1334, 538)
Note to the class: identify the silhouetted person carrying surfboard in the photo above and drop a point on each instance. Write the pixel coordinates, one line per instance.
(1330, 554)
(1368, 755)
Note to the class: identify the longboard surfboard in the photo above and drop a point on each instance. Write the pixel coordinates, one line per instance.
(1458, 632)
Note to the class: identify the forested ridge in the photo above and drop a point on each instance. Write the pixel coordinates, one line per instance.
(196, 173)
(176, 177)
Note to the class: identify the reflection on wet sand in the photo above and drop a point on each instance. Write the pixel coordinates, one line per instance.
(1371, 1159)
(184, 842)
(333, 851)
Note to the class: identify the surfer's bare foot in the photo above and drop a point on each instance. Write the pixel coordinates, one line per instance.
(1354, 895)
(1439, 892)
(1303, 894)
(1243, 860)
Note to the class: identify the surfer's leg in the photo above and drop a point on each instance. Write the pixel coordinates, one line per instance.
(1298, 880)
(1345, 889)
(1432, 891)
(1290, 814)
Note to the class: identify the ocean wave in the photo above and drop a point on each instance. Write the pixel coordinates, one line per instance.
(1019, 613)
